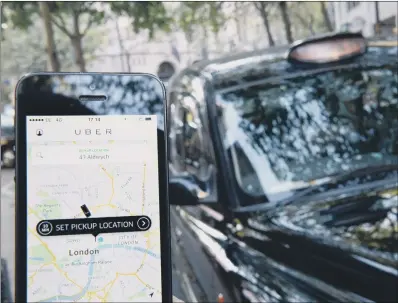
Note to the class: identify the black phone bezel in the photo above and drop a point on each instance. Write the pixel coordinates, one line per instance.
(21, 187)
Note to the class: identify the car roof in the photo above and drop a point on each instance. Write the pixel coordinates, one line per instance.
(225, 69)
(276, 51)
(272, 62)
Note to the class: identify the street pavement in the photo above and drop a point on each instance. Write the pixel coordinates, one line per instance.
(8, 238)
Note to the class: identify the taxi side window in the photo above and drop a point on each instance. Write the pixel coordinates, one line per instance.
(190, 144)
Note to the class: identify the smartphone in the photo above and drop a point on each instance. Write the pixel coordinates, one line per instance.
(92, 210)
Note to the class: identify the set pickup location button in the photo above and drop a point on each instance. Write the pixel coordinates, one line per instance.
(94, 226)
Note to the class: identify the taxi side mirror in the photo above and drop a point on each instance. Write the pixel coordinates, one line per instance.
(182, 192)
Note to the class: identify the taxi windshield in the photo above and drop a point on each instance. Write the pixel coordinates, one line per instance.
(309, 127)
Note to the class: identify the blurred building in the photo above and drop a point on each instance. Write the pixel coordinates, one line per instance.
(372, 18)
(243, 31)
(127, 51)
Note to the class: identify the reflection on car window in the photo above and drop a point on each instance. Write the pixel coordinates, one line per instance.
(191, 148)
(310, 127)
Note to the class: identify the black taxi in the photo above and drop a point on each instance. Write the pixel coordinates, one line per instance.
(284, 170)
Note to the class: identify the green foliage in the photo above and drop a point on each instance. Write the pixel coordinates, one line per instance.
(91, 42)
(145, 15)
(68, 16)
(23, 51)
(19, 13)
(206, 14)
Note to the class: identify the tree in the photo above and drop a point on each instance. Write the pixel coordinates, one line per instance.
(286, 20)
(144, 15)
(238, 8)
(326, 17)
(307, 19)
(304, 19)
(21, 15)
(22, 51)
(263, 8)
(50, 40)
(68, 17)
(155, 17)
(203, 14)
(193, 16)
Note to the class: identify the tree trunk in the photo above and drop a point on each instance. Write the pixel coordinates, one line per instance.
(326, 17)
(237, 21)
(78, 53)
(120, 41)
(48, 28)
(264, 15)
(311, 25)
(286, 21)
(307, 22)
(77, 44)
(205, 44)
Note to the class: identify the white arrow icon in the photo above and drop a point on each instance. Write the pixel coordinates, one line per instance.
(143, 223)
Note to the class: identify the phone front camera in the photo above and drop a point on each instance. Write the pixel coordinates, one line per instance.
(92, 87)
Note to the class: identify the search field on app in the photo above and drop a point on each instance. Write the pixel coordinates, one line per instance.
(61, 154)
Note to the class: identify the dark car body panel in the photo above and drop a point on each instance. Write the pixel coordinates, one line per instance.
(334, 242)
(268, 260)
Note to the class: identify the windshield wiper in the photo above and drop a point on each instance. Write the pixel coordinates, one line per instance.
(334, 179)
(342, 176)
(359, 172)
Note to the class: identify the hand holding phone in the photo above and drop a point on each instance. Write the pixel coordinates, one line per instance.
(92, 220)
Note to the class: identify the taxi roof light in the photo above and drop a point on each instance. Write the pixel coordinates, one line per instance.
(328, 49)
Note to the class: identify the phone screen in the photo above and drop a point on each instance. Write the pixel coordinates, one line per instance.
(93, 232)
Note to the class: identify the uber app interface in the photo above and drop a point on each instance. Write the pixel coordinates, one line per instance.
(93, 209)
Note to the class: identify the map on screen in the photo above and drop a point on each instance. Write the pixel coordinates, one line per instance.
(93, 209)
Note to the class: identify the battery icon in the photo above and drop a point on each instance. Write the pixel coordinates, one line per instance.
(148, 119)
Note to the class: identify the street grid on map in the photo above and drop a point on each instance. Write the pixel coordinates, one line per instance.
(78, 267)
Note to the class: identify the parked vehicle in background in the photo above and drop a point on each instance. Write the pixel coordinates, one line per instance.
(7, 142)
(284, 167)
